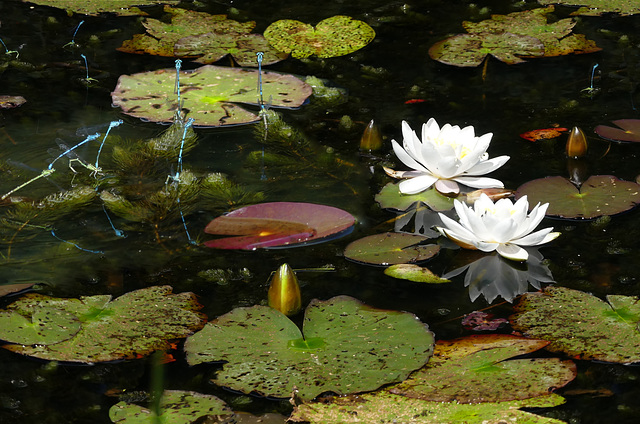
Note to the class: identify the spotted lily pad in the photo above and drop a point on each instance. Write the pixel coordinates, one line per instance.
(131, 326)
(94, 7)
(598, 7)
(9, 102)
(385, 407)
(477, 369)
(581, 325)
(597, 196)
(279, 224)
(390, 249)
(510, 38)
(178, 407)
(334, 36)
(345, 347)
(629, 130)
(44, 326)
(207, 37)
(210, 94)
(415, 273)
(391, 198)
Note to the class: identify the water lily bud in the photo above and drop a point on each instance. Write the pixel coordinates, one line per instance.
(576, 144)
(371, 139)
(284, 291)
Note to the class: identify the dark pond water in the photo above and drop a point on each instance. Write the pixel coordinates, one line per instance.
(601, 258)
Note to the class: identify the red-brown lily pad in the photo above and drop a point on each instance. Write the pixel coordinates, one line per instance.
(629, 130)
(279, 224)
(390, 249)
(543, 134)
(598, 196)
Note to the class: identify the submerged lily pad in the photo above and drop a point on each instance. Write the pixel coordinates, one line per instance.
(345, 347)
(391, 198)
(385, 407)
(208, 37)
(512, 37)
(414, 273)
(476, 369)
(334, 36)
(390, 249)
(94, 7)
(629, 130)
(597, 196)
(279, 224)
(178, 407)
(598, 7)
(131, 326)
(581, 325)
(209, 93)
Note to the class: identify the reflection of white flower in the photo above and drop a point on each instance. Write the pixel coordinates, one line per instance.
(502, 226)
(445, 157)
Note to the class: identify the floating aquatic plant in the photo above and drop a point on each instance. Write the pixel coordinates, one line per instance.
(390, 248)
(94, 7)
(598, 7)
(344, 347)
(628, 130)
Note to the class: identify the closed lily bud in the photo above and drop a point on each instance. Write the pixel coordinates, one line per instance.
(576, 144)
(284, 291)
(371, 139)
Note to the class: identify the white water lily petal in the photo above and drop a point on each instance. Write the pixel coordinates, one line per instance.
(513, 252)
(417, 184)
(447, 153)
(502, 226)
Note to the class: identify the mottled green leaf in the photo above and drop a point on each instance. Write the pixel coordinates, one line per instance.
(131, 326)
(384, 407)
(390, 249)
(209, 93)
(43, 326)
(345, 347)
(598, 7)
(178, 407)
(94, 7)
(391, 198)
(334, 36)
(477, 369)
(597, 196)
(581, 325)
(414, 273)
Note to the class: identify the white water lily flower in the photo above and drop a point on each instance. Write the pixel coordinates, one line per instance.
(445, 156)
(502, 226)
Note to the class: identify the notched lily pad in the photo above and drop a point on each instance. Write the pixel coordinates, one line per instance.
(599, 195)
(581, 325)
(629, 130)
(94, 7)
(131, 326)
(210, 94)
(279, 224)
(414, 273)
(334, 36)
(391, 198)
(477, 369)
(385, 407)
(599, 7)
(178, 407)
(43, 326)
(390, 249)
(345, 347)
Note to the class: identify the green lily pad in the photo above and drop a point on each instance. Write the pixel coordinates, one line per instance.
(385, 407)
(629, 130)
(94, 7)
(390, 249)
(208, 37)
(209, 93)
(178, 407)
(581, 325)
(334, 36)
(391, 198)
(512, 37)
(598, 7)
(44, 326)
(414, 273)
(476, 369)
(345, 347)
(131, 326)
(599, 195)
